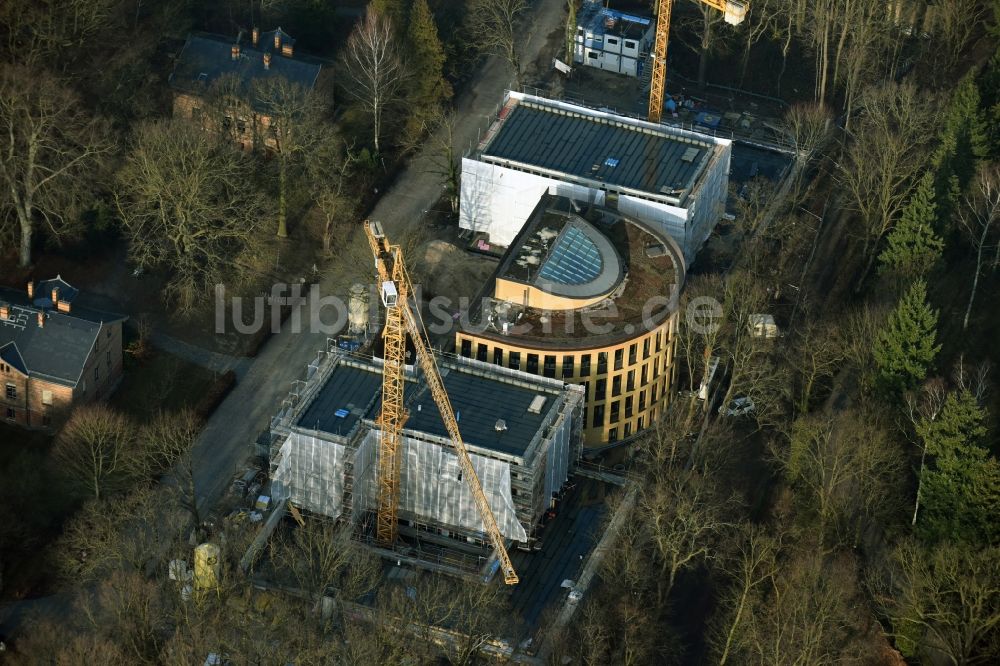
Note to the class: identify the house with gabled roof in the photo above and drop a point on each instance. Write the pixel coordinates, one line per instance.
(207, 60)
(54, 353)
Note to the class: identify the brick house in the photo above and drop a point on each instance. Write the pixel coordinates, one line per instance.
(54, 354)
(208, 62)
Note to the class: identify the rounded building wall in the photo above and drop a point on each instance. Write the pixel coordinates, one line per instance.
(628, 384)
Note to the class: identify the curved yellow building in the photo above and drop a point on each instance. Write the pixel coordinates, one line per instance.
(587, 295)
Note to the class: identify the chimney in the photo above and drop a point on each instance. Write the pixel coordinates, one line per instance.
(267, 61)
(286, 50)
(4, 311)
(277, 39)
(41, 320)
(255, 36)
(55, 296)
(31, 288)
(236, 51)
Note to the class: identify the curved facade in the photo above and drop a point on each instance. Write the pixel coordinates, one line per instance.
(611, 329)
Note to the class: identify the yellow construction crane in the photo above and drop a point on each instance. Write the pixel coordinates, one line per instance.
(400, 319)
(734, 11)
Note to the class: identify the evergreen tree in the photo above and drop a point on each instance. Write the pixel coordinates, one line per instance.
(905, 349)
(396, 11)
(964, 142)
(912, 247)
(961, 484)
(425, 56)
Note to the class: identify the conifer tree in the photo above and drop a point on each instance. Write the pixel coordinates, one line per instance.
(425, 57)
(904, 350)
(961, 485)
(964, 142)
(395, 11)
(912, 247)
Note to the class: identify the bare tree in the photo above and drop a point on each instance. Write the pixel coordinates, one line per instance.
(96, 450)
(295, 128)
(374, 69)
(923, 407)
(51, 148)
(955, 25)
(943, 603)
(980, 219)
(493, 25)
(683, 518)
(329, 169)
(167, 443)
(817, 352)
(752, 565)
(190, 205)
(809, 126)
(880, 167)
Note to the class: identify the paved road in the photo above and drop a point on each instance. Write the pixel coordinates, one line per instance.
(229, 434)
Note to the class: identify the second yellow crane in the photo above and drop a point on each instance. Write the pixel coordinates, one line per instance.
(734, 12)
(400, 319)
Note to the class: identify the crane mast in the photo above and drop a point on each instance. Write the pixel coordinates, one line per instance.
(395, 288)
(734, 12)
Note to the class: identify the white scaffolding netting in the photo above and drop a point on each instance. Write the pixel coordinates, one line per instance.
(432, 489)
(310, 473)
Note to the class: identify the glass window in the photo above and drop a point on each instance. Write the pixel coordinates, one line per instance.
(585, 365)
(10, 413)
(498, 355)
(645, 374)
(109, 357)
(642, 401)
(652, 398)
(549, 369)
(567, 369)
(602, 363)
(628, 406)
(586, 391)
(600, 389)
(616, 386)
(630, 382)
(598, 416)
(11, 392)
(613, 434)
(632, 349)
(467, 348)
(532, 364)
(628, 429)
(659, 346)
(619, 358)
(645, 348)
(514, 360)
(614, 411)
(638, 424)
(482, 352)
(97, 372)
(46, 397)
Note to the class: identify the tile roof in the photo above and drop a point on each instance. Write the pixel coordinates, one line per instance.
(206, 58)
(56, 351)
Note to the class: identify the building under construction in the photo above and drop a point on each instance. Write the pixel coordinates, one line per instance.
(522, 433)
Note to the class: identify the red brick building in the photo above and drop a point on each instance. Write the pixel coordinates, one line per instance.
(207, 61)
(54, 353)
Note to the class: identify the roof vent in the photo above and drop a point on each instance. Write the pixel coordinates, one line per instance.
(689, 155)
(500, 425)
(536, 404)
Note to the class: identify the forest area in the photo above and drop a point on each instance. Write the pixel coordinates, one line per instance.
(851, 518)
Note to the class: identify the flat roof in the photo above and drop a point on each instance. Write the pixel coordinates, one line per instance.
(563, 254)
(650, 260)
(349, 389)
(601, 20)
(353, 392)
(611, 150)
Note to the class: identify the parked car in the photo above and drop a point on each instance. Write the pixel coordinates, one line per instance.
(738, 407)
